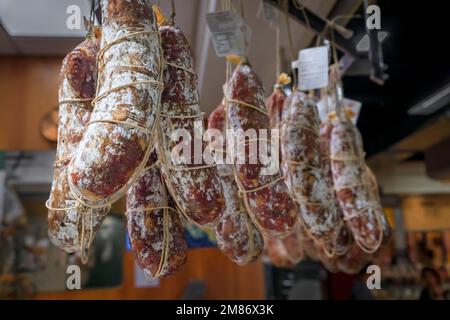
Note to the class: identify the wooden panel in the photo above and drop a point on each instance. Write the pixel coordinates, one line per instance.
(28, 90)
(223, 280)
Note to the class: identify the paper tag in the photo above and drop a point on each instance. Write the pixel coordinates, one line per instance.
(227, 32)
(313, 68)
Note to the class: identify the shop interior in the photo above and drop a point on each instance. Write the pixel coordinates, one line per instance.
(398, 76)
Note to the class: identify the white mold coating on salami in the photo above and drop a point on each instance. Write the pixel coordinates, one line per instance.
(128, 95)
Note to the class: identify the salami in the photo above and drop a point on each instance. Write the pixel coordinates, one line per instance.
(71, 225)
(276, 253)
(194, 184)
(119, 135)
(264, 192)
(350, 183)
(353, 261)
(237, 237)
(305, 176)
(154, 227)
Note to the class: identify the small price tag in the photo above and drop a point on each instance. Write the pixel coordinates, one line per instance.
(227, 32)
(313, 68)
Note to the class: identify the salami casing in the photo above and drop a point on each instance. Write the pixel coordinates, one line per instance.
(353, 261)
(71, 225)
(118, 137)
(237, 237)
(265, 195)
(194, 184)
(305, 176)
(154, 227)
(352, 190)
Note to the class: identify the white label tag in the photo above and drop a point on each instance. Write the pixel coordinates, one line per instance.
(313, 68)
(227, 32)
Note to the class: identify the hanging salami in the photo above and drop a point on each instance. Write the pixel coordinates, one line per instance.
(343, 238)
(261, 185)
(119, 135)
(237, 237)
(375, 196)
(194, 184)
(154, 226)
(351, 185)
(71, 225)
(302, 160)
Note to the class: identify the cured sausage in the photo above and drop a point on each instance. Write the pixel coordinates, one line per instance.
(350, 183)
(265, 195)
(71, 225)
(154, 227)
(237, 237)
(119, 135)
(193, 183)
(305, 176)
(275, 104)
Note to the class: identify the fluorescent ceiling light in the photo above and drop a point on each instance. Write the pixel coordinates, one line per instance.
(41, 18)
(436, 101)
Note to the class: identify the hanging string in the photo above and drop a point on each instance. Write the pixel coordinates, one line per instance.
(278, 51)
